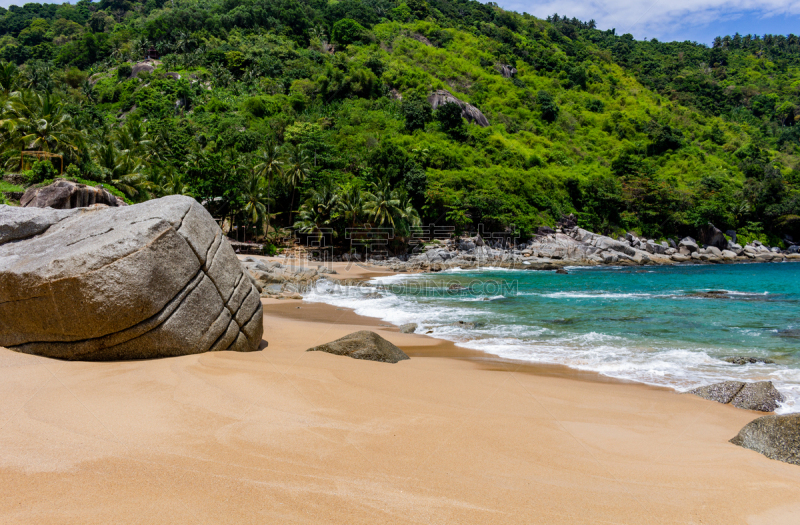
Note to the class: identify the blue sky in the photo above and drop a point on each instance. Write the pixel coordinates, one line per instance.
(699, 20)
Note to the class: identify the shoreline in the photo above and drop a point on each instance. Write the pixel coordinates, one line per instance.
(350, 274)
(285, 435)
(430, 346)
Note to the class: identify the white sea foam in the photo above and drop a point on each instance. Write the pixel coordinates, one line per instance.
(594, 295)
(610, 355)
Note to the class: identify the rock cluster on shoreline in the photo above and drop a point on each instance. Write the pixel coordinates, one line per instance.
(283, 281)
(761, 396)
(573, 246)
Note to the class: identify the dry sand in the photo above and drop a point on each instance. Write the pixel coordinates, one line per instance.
(285, 436)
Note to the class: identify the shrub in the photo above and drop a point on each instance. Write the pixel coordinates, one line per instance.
(72, 171)
(347, 31)
(547, 106)
(269, 249)
(124, 71)
(40, 171)
(595, 105)
(417, 112)
(449, 115)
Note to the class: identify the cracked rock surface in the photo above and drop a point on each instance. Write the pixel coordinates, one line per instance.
(152, 280)
(761, 396)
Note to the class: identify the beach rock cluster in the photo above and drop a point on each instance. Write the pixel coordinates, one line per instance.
(278, 280)
(761, 396)
(112, 283)
(363, 345)
(569, 245)
(65, 195)
(777, 437)
(748, 360)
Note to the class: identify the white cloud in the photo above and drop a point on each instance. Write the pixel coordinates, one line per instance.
(7, 3)
(656, 18)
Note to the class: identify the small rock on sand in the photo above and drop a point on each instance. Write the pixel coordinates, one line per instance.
(408, 328)
(777, 437)
(363, 345)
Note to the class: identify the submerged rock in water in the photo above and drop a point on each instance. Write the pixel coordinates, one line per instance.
(761, 396)
(363, 345)
(152, 280)
(713, 294)
(777, 437)
(747, 360)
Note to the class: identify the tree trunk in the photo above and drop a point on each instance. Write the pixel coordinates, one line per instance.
(291, 205)
(269, 182)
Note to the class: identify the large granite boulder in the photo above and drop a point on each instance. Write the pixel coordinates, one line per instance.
(441, 97)
(506, 70)
(710, 235)
(65, 195)
(777, 437)
(687, 246)
(363, 345)
(152, 280)
(761, 396)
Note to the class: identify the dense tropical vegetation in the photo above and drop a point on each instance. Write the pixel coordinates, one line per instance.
(313, 115)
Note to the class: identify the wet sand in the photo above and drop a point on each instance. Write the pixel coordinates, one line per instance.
(449, 436)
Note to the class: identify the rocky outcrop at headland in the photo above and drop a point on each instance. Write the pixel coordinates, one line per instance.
(777, 437)
(152, 280)
(363, 345)
(569, 245)
(65, 195)
(468, 111)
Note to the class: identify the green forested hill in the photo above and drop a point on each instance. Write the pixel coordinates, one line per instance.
(654, 137)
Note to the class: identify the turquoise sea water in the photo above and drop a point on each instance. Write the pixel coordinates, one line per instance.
(654, 325)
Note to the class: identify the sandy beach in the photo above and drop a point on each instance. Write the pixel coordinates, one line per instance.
(287, 436)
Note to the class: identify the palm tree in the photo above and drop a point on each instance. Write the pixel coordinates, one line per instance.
(351, 204)
(254, 195)
(160, 183)
(9, 78)
(122, 171)
(133, 138)
(408, 212)
(298, 168)
(315, 216)
(323, 198)
(270, 165)
(39, 122)
(383, 204)
(39, 76)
